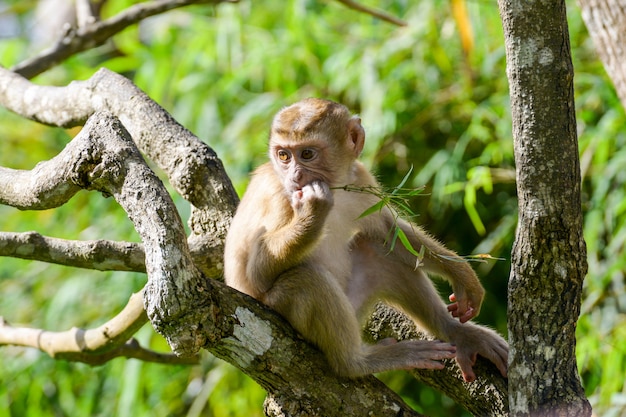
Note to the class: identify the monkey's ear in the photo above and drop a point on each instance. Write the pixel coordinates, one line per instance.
(356, 135)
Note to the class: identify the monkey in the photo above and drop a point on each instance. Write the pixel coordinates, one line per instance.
(299, 244)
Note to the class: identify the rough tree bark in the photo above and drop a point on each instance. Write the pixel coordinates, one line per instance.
(606, 22)
(549, 255)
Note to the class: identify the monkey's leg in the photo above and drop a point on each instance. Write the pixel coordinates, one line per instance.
(412, 291)
(415, 294)
(315, 305)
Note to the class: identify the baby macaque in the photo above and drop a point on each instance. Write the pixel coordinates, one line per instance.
(298, 244)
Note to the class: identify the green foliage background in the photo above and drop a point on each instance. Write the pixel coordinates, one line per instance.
(223, 72)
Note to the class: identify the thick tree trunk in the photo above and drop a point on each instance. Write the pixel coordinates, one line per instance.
(549, 255)
(606, 22)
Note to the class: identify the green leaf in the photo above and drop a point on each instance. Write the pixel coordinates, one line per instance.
(407, 244)
(404, 180)
(375, 208)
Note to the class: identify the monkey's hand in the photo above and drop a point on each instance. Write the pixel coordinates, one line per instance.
(473, 340)
(314, 198)
(465, 304)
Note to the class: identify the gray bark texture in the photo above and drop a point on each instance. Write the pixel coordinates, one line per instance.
(606, 22)
(191, 310)
(549, 255)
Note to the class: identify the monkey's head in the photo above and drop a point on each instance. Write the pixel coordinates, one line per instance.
(315, 140)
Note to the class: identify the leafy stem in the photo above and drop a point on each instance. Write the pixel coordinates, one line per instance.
(397, 201)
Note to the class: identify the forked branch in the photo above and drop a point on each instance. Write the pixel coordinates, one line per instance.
(185, 159)
(104, 158)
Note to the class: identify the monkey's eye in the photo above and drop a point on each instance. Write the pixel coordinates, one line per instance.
(283, 155)
(308, 154)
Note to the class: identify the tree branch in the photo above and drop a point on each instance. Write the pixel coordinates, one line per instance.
(373, 12)
(185, 159)
(93, 346)
(103, 157)
(257, 340)
(97, 33)
(102, 255)
(487, 396)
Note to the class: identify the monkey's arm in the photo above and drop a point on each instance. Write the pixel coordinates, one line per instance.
(279, 233)
(437, 259)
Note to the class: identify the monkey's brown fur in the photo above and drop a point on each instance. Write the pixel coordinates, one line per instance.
(298, 245)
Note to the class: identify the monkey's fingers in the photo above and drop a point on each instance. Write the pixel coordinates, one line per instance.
(438, 350)
(428, 354)
(454, 307)
(469, 314)
(461, 309)
(466, 362)
(444, 347)
(499, 355)
(459, 305)
(456, 311)
(296, 199)
(432, 349)
(503, 368)
(432, 360)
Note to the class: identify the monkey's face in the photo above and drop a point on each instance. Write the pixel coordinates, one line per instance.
(299, 165)
(315, 141)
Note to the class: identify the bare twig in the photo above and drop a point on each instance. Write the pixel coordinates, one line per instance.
(102, 255)
(374, 12)
(93, 346)
(109, 336)
(96, 33)
(130, 349)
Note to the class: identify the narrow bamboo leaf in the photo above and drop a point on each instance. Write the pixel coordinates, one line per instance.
(406, 243)
(404, 180)
(392, 245)
(482, 257)
(403, 207)
(422, 252)
(412, 192)
(376, 207)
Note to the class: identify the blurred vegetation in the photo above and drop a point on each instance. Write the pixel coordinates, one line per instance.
(432, 95)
